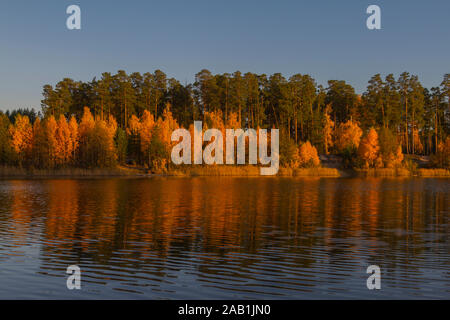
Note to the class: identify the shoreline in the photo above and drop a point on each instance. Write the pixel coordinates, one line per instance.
(7, 173)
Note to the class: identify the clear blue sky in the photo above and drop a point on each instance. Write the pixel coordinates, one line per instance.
(326, 39)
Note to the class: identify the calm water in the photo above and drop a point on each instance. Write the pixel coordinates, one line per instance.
(225, 238)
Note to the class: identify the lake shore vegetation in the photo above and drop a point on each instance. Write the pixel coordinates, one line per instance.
(121, 124)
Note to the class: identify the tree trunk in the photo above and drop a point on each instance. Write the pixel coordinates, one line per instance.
(296, 140)
(406, 125)
(436, 130)
(412, 134)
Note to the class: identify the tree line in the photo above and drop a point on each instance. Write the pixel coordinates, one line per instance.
(398, 110)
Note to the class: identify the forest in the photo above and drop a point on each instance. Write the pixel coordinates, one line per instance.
(128, 119)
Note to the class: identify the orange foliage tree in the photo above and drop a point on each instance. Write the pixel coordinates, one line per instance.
(368, 150)
(6, 151)
(161, 144)
(308, 156)
(39, 148)
(74, 138)
(21, 138)
(394, 159)
(97, 147)
(63, 148)
(348, 136)
(134, 145)
(145, 134)
(328, 127)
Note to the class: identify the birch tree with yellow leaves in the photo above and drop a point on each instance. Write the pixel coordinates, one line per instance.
(21, 138)
(368, 150)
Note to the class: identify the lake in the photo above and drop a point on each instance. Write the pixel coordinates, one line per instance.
(225, 238)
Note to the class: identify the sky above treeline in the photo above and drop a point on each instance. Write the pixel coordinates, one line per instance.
(326, 39)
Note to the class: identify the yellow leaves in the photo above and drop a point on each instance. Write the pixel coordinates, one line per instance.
(368, 149)
(348, 135)
(166, 127)
(50, 126)
(87, 122)
(328, 132)
(233, 121)
(289, 152)
(214, 120)
(110, 126)
(373, 155)
(293, 156)
(104, 148)
(73, 129)
(308, 155)
(63, 145)
(54, 142)
(21, 136)
(145, 131)
(96, 140)
(394, 160)
(134, 126)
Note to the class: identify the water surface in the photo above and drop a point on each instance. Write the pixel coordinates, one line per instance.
(225, 238)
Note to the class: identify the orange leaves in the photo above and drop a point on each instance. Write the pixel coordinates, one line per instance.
(140, 132)
(73, 129)
(214, 120)
(134, 126)
(396, 158)
(21, 137)
(308, 156)
(378, 153)
(348, 136)
(63, 146)
(233, 121)
(54, 142)
(328, 132)
(96, 141)
(167, 126)
(293, 156)
(87, 122)
(369, 148)
(145, 131)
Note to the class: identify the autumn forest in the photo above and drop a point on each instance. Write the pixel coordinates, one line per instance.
(128, 119)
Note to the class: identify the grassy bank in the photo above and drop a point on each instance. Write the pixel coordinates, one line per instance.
(383, 172)
(193, 171)
(433, 173)
(224, 170)
(250, 171)
(402, 172)
(16, 172)
(309, 172)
